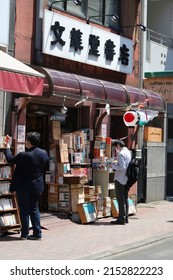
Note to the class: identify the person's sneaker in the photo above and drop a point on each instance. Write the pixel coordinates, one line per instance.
(32, 237)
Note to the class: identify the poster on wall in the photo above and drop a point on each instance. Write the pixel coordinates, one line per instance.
(20, 148)
(21, 133)
(103, 130)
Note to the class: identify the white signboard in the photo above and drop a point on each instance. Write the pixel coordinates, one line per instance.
(71, 39)
(5, 21)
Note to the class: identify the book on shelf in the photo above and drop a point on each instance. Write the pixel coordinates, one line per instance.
(3, 139)
(5, 172)
(4, 187)
(8, 220)
(6, 204)
(2, 158)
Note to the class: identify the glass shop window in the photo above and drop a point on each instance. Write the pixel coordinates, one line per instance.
(91, 8)
(95, 8)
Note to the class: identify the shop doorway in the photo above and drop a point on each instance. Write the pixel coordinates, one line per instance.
(118, 129)
(38, 118)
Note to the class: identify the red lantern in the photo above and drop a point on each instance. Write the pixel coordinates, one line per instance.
(131, 118)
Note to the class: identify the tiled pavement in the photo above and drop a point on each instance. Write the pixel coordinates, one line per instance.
(65, 240)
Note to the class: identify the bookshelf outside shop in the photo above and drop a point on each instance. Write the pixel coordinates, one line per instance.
(78, 184)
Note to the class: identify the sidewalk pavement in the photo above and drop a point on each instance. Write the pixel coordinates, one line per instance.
(65, 240)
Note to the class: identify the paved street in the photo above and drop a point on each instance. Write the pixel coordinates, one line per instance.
(159, 250)
(65, 240)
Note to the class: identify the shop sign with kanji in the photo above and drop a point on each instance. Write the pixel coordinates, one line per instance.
(71, 39)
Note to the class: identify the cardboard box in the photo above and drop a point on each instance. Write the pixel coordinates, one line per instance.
(152, 134)
(106, 211)
(87, 212)
(75, 202)
(115, 209)
(77, 196)
(132, 207)
(107, 202)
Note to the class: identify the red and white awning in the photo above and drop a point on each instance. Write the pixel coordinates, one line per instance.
(17, 77)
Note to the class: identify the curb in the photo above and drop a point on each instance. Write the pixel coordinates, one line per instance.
(121, 250)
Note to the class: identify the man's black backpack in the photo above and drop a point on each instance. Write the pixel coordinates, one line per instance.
(132, 171)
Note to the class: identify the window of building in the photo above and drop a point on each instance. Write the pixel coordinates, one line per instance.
(97, 9)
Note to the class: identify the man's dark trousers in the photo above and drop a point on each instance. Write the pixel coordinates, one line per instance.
(28, 204)
(122, 199)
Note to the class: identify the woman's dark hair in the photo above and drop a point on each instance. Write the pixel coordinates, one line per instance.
(33, 138)
(118, 142)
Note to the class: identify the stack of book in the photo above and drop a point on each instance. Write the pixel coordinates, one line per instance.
(106, 206)
(56, 130)
(99, 146)
(77, 196)
(90, 194)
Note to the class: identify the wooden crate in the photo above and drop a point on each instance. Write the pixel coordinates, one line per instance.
(152, 134)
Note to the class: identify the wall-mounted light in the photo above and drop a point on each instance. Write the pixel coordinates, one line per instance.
(63, 109)
(81, 101)
(114, 18)
(58, 116)
(76, 2)
(107, 109)
(141, 26)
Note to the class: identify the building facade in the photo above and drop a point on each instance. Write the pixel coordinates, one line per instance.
(90, 52)
(157, 52)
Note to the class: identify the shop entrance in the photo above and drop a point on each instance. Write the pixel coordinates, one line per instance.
(38, 118)
(118, 129)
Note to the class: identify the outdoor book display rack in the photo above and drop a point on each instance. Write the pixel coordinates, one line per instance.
(9, 210)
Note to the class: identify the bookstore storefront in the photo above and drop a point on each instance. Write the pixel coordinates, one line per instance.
(66, 116)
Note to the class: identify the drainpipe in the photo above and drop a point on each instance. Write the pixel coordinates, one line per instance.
(38, 32)
(142, 60)
(143, 42)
